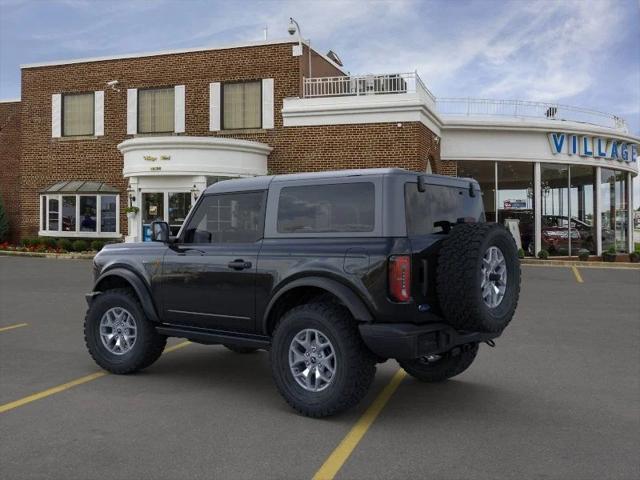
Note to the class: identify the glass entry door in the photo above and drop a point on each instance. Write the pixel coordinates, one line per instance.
(556, 228)
(152, 210)
(170, 207)
(179, 206)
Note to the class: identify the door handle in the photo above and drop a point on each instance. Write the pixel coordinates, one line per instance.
(239, 264)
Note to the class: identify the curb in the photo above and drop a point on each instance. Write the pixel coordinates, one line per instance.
(61, 256)
(571, 263)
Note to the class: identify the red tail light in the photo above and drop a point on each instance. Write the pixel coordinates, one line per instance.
(400, 278)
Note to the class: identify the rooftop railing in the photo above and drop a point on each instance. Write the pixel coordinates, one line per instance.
(478, 107)
(356, 85)
(399, 83)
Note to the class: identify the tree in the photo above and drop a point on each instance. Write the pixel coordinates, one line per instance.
(4, 223)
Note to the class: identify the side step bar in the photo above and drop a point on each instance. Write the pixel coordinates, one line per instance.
(212, 337)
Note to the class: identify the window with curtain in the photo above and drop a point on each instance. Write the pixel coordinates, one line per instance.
(156, 110)
(241, 105)
(77, 114)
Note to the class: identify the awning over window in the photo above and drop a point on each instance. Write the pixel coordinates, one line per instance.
(80, 186)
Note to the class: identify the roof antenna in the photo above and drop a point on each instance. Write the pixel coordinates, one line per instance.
(266, 32)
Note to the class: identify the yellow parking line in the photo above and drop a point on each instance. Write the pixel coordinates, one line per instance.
(576, 273)
(65, 386)
(11, 327)
(176, 347)
(336, 460)
(51, 391)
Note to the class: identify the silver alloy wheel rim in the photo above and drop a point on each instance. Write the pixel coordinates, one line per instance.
(494, 277)
(312, 360)
(118, 330)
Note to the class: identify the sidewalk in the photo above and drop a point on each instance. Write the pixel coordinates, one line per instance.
(578, 263)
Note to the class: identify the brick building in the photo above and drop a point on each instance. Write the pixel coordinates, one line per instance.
(90, 137)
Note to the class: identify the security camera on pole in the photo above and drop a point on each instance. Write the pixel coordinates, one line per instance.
(297, 49)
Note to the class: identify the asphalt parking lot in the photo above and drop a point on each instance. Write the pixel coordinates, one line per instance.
(558, 398)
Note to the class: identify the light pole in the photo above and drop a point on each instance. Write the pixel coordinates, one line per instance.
(293, 28)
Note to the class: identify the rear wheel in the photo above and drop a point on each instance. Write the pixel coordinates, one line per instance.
(478, 279)
(118, 334)
(319, 361)
(436, 368)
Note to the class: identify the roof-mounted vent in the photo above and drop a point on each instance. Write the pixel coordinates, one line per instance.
(334, 58)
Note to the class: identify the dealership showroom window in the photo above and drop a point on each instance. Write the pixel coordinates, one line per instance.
(568, 196)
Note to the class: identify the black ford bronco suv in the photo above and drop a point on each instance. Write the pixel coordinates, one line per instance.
(331, 272)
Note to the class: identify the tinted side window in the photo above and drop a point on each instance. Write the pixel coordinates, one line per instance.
(438, 204)
(228, 218)
(345, 207)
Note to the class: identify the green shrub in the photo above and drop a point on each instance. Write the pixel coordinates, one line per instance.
(543, 254)
(610, 255)
(65, 244)
(583, 254)
(80, 246)
(4, 223)
(48, 242)
(520, 253)
(634, 257)
(97, 245)
(28, 242)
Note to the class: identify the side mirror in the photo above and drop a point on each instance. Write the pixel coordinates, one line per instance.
(160, 232)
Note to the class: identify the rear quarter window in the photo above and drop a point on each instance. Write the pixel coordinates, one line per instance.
(423, 210)
(344, 207)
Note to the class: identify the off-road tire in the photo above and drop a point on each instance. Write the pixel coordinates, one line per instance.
(459, 277)
(355, 368)
(451, 364)
(148, 346)
(241, 350)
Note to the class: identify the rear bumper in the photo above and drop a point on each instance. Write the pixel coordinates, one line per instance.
(406, 340)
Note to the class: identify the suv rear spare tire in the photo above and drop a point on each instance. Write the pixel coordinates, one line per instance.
(478, 279)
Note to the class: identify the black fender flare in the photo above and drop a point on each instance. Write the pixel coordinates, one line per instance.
(138, 285)
(346, 295)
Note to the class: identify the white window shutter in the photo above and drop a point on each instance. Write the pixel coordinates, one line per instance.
(132, 111)
(98, 113)
(178, 109)
(267, 103)
(56, 115)
(214, 106)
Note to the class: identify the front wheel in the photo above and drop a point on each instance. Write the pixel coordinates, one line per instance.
(437, 368)
(319, 361)
(118, 334)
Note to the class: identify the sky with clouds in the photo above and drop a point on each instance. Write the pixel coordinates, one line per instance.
(578, 52)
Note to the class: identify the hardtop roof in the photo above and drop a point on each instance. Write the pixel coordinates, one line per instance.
(263, 182)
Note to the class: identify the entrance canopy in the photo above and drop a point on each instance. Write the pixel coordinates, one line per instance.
(184, 156)
(80, 186)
